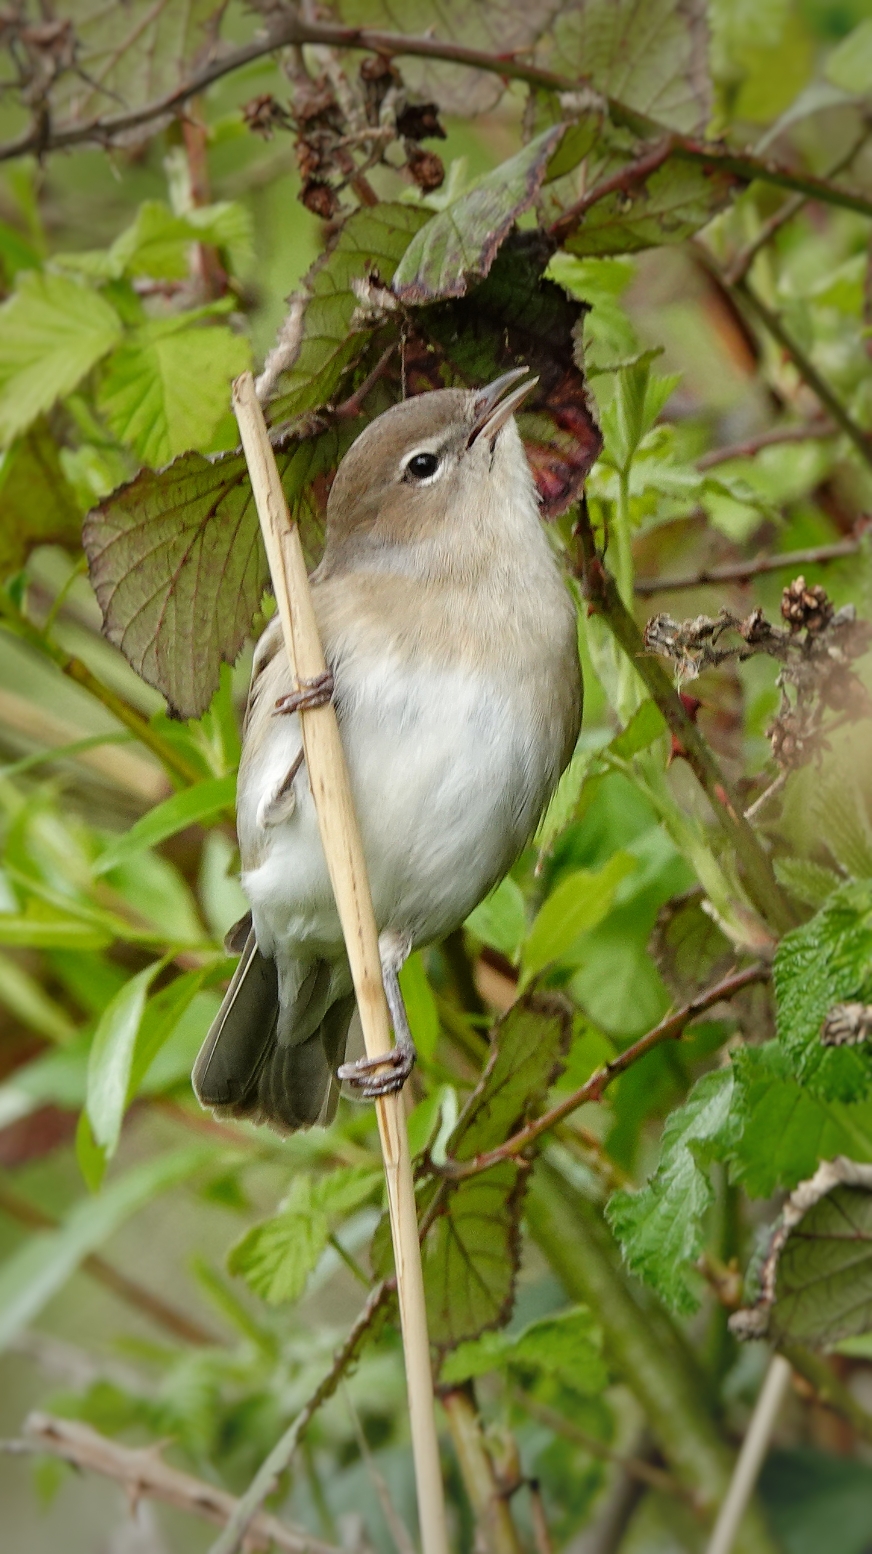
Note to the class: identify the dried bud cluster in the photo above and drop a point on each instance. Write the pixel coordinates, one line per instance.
(816, 654)
(847, 1025)
(343, 130)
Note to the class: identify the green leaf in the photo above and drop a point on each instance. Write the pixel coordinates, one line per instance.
(501, 919)
(28, 1000)
(276, 1257)
(460, 244)
(111, 1058)
(568, 1345)
(850, 63)
(158, 243)
(784, 1131)
(34, 1274)
(668, 207)
(808, 881)
(420, 1006)
(192, 806)
(827, 961)
(335, 328)
(816, 1280)
(178, 565)
(579, 902)
(53, 330)
(166, 387)
(38, 503)
(43, 933)
(646, 725)
(528, 1046)
(660, 1228)
(651, 57)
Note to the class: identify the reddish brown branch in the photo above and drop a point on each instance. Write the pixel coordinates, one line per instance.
(810, 431)
(743, 571)
(626, 179)
(293, 31)
(592, 1090)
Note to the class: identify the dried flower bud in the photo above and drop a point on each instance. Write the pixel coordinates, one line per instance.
(787, 740)
(426, 168)
(378, 77)
(317, 100)
(262, 115)
(420, 121)
(320, 199)
(847, 1025)
(806, 607)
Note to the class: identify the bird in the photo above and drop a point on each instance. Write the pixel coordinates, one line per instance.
(451, 643)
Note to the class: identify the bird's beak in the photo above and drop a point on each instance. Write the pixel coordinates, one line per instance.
(492, 411)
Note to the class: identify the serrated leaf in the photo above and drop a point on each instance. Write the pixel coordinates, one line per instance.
(816, 1280)
(41, 1267)
(689, 948)
(165, 389)
(158, 242)
(825, 962)
(646, 725)
(192, 806)
(111, 1059)
(527, 1049)
(501, 919)
(460, 244)
(784, 1130)
(334, 329)
(652, 57)
(568, 1345)
(37, 503)
(53, 330)
(842, 821)
(178, 565)
(472, 1254)
(668, 207)
(276, 1257)
(578, 903)
(809, 882)
(660, 1228)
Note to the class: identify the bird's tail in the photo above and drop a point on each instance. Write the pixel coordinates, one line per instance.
(249, 1067)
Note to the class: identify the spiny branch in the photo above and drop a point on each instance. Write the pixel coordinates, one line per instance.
(293, 31)
(743, 571)
(145, 1475)
(669, 1029)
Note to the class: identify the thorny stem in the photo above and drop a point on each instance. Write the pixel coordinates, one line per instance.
(293, 31)
(621, 182)
(601, 591)
(592, 1090)
(744, 571)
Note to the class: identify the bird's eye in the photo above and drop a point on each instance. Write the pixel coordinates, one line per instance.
(421, 466)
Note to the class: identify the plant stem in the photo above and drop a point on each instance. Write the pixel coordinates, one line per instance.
(831, 1392)
(642, 1344)
(809, 431)
(744, 571)
(601, 591)
(751, 1457)
(495, 1530)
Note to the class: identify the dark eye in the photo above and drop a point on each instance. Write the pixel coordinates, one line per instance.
(422, 465)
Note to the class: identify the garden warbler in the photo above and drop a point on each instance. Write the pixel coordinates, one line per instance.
(453, 664)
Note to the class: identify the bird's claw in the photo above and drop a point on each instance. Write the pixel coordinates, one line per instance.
(309, 694)
(375, 1077)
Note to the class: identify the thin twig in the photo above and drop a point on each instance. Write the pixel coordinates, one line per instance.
(830, 1391)
(744, 571)
(751, 1456)
(247, 1508)
(668, 1029)
(809, 431)
(601, 591)
(145, 1475)
(623, 181)
(293, 31)
(178, 1323)
(346, 863)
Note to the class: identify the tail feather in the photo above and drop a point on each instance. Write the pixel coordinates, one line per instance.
(247, 1067)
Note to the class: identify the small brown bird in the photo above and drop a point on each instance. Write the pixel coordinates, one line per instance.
(451, 641)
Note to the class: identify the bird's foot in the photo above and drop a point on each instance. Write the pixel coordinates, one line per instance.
(375, 1077)
(309, 694)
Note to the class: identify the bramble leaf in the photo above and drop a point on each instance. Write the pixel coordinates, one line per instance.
(578, 903)
(825, 962)
(528, 1046)
(568, 1345)
(276, 1257)
(52, 331)
(459, 245)
(654, 58)
(660, 1227)
(816, 1281)
(38, 503)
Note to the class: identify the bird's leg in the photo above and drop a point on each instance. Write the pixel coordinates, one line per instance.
(373, 1077)
(309, 693)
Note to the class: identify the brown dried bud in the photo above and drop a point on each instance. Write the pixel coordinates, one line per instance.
(787, 741)
(804, 607)
(320, 199)
(378, 76)
(317, 100)
(426, 168)
(420, 121)
(262, 115)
